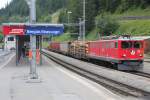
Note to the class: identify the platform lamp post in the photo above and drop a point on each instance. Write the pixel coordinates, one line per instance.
(31, 4)
(68, 13)
(83, 20)
(80, 29)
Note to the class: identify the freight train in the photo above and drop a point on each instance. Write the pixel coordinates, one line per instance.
(125, 53)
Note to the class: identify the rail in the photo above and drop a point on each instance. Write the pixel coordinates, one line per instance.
(143, 74)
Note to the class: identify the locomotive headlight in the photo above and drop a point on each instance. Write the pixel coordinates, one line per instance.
(139, 51)
(140, 55)
(124, 55)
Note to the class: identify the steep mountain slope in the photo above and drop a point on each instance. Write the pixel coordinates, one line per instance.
(56, 11)
(17, 10)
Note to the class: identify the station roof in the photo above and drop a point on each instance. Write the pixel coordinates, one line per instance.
(45, 24)
(36, 24)
(12, 24)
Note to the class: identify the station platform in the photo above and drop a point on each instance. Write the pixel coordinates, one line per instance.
(57, 83)
(146, 68)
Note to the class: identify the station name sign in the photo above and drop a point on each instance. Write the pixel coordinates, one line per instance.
(41, 32)
(32, 29)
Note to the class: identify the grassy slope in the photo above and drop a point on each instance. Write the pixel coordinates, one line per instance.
(134, 27)
(92, 35)
(134, 12)
(45, 44)
(63, 37)
(55, 17)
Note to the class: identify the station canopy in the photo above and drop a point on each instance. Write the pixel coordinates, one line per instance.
(32, 29)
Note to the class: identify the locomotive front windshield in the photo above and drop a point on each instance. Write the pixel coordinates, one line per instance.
(126, 44)
(137, 44)
(131, 44)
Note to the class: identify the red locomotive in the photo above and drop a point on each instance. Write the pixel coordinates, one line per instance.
(125, 53)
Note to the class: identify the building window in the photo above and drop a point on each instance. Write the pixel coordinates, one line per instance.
(10, 38)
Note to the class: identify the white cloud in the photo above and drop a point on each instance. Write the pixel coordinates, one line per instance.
(3, 3)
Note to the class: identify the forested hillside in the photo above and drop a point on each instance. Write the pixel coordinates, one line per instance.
(100, 7)
(18, 10)
(101, 15)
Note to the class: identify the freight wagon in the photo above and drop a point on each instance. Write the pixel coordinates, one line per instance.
(64, 47)
(78, 49)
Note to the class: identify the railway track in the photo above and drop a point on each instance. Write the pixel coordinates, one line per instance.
(146, 75)
(141, 74)
(147, 61)
(118, 88)
(110, 67)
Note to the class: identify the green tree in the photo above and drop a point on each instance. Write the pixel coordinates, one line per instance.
(106, 24)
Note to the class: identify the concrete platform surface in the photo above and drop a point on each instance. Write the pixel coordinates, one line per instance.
(57, 84)
(146, 68)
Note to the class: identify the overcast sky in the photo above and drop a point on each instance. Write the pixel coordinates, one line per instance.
(3, 3)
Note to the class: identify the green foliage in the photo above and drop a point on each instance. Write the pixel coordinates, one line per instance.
(62, 38)
(46, 18)
(93, 35)
(17, 18)
(134, 27)
(55, 16)
(107, 24)
(46, 7)
(17, 11)
(45, 44)
(133, 12)
(16, 7)
(1, 37)
(76, 7)
(93, 8)
(63, 16)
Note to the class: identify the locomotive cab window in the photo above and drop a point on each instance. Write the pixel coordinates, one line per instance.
(137, 44)
(126, 44)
